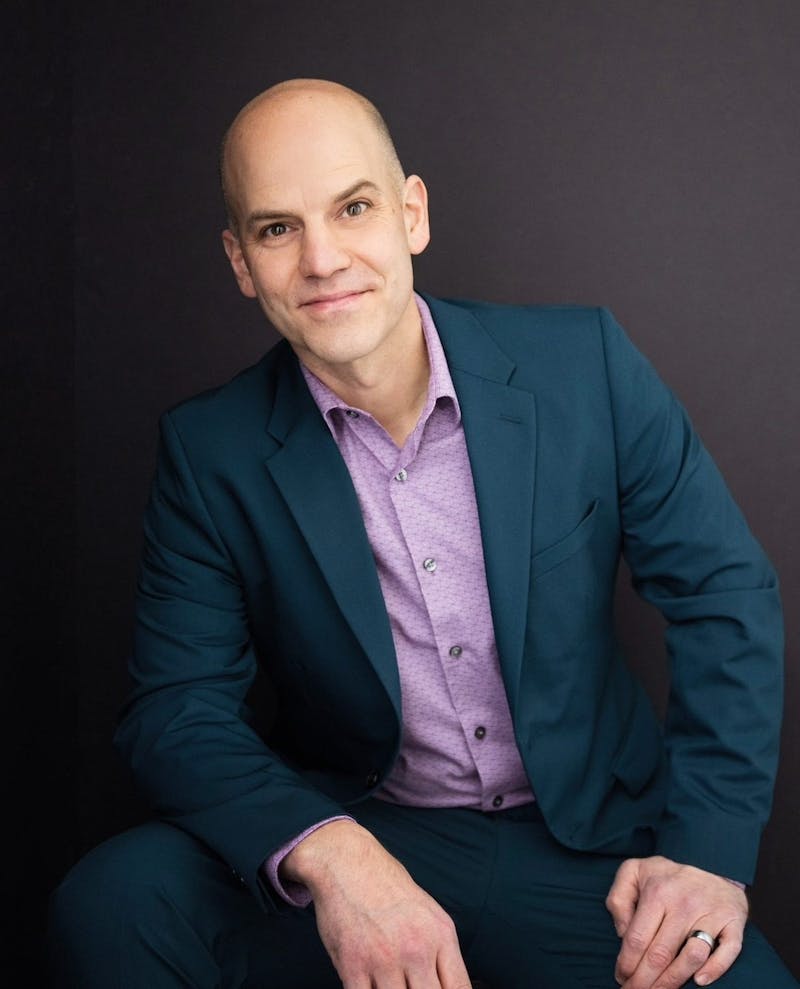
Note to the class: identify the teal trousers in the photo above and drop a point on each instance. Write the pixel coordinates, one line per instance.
(155, 909)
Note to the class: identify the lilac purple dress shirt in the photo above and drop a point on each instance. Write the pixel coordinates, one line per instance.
(418, 503)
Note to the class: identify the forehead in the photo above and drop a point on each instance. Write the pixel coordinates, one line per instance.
(298, 153)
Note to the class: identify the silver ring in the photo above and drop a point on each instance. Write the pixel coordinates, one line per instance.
(706, 937)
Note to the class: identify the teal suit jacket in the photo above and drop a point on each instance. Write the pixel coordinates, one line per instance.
(255, 553)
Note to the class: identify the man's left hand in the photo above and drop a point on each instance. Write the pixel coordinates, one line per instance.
(656, 904)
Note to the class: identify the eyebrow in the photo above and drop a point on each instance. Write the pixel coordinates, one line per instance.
(260, 215)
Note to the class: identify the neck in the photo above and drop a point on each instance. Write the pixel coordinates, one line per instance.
(392, 387)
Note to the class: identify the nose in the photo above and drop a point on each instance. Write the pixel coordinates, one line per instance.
(321, 253)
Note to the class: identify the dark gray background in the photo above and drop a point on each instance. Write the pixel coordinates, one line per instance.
(639, 155)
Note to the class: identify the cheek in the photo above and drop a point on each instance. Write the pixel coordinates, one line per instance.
(378, 244)
(390, 257)
(400, 272)
(273, 284)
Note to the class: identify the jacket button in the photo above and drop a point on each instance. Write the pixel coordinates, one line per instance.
(372, 779)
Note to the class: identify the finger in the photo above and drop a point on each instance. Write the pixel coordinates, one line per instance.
(447, 972)
(727, 951)
(657, 960)
(432, 981)
(623, 895)
(395, 979)
(451, 970)
(420, 977)
(357, 982)
(685, 962)
(639, 939)
(384, 975)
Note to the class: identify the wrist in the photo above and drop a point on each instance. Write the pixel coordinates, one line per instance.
(313, 862)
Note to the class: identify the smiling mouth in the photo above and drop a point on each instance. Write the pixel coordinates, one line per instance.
(333, 301)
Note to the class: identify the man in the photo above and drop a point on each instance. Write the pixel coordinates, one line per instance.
(410, 514)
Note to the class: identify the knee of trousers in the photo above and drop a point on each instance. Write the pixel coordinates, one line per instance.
(138, 881)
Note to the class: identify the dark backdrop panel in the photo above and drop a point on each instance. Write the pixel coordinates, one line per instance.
(637, 155)
(38, 682)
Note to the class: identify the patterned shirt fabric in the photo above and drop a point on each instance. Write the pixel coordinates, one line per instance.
(421, 518)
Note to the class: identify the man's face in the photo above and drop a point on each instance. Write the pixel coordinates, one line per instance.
(326, 231)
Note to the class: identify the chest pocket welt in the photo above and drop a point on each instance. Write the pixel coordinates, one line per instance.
(550, 557)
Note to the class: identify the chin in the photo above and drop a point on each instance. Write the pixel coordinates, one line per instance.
(340, 343)
(341, 356)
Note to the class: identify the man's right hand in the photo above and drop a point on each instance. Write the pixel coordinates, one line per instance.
(381, 930)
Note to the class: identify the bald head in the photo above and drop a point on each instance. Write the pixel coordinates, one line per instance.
(286, 106)
(323, 229)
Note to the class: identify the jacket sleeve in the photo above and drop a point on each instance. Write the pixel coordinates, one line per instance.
(692, 556)
(185, 731)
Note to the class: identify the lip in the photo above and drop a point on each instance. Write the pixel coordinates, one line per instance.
(333, 300)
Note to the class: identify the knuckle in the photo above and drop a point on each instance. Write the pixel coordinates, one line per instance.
(660, 885)
(659, 956)
(351, 965)
(636, 941)
(381, 954)
(625, 969)
(682, 900)
(416, 938)
(415, 951)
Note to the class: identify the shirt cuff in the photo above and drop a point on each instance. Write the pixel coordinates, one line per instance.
(294, 893)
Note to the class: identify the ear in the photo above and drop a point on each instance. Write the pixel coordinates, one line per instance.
(415, 212)
(239, 264)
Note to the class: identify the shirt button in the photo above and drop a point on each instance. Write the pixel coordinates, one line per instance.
(455, 651)
(401, 475)
(480, 732)
(429, 564)
(372, 779)
(497, 802)
(351, 413)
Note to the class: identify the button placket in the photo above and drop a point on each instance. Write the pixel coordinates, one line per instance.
(410, 497)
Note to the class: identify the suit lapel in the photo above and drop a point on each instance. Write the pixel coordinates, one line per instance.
(315, 483)
(500, 429)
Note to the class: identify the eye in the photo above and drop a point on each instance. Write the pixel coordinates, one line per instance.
(357, 208)
(273, 230)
